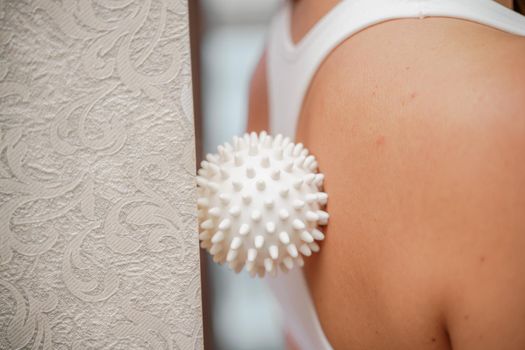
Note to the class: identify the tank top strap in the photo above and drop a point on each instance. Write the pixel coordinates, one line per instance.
(291, 66)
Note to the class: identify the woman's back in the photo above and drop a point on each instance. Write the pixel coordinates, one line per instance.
(419, 129)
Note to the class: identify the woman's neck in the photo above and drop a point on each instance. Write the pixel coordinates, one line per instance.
(306, 13)
(506, 3)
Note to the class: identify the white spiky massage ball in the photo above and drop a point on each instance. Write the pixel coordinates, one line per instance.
(260, 203)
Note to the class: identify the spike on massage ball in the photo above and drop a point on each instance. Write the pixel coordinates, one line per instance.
(260, 203)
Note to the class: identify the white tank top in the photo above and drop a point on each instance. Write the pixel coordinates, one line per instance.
(290, 68)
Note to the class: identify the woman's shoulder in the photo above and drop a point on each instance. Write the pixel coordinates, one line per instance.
(435, 106)
(438, 67)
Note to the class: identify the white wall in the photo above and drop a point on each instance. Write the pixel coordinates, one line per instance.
(98, 229)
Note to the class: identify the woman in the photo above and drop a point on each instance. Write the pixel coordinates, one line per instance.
(416, 113)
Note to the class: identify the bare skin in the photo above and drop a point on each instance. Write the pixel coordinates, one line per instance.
(419, 128)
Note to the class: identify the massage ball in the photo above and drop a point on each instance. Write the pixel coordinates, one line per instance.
(260, 202)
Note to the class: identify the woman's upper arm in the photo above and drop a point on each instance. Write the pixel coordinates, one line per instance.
(258, 99)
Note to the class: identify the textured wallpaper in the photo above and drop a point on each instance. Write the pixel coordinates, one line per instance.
(98, 242)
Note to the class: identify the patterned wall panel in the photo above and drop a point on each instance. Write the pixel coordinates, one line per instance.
(98, 245)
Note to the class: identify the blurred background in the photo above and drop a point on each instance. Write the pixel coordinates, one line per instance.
(228, 37)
